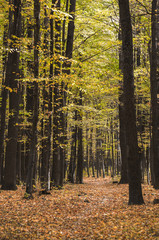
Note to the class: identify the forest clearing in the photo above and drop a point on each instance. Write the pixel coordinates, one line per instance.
(96, 209)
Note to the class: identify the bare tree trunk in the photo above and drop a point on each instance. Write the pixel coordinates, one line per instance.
(154, 103)
(134, 171)
(4, 97)
(56, 171)
(12, 73)
(122, 127)
(79, 175)
(32, 153)
(46, 123)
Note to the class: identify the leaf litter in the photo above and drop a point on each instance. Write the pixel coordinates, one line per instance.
(94, 210)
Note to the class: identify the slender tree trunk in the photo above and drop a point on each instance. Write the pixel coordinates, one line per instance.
(134, 171)
(67, 70)
(56, 171)
(72, 165)
(3, 102)
(29, 98)
(154, 103)
(112, 149)
(46, 124)
(98, 151)
(91, 152)
(32, 153)
(87, 151)
(79, 175)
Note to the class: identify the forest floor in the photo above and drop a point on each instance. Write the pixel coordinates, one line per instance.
(96, 209)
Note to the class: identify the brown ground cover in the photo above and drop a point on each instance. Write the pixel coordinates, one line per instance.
(96, 209)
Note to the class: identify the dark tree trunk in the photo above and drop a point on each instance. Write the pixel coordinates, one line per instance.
(12, 73)
(29, 100)
(123, 145)
(98, 150)
(72, 165)
(70, 36)
(56, 171)
(157, 143)
(4, 96)
(87, 152)
(79, 176)
(112, 148)
(67, 69)
(122, 127)
(154, 103)
(91, 153)
(134, 171)
(32, 153)
(46, 123)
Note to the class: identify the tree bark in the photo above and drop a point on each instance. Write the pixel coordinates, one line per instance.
(122, 128)
(72, 165)
(3, 102)
(79, 175)
(12, 73)
(56, 170)
(32, 152)
(134, 171)
(154, 103)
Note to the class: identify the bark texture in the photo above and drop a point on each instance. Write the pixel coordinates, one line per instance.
(134, 171)
(12, 74)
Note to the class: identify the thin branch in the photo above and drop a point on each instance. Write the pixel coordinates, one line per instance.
(91, 35)
(144, 7)
(94, 55)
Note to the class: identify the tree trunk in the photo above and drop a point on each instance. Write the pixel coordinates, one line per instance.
(12, 74)
(134, 171)
(72, 166)
(123, 145)
(32, 152)
(91, 152)
(70, 36)
(122, 127)
(3, 102)
(56, 171)
(79, 175)
(87, 152)
(154, 103)
(46, 123)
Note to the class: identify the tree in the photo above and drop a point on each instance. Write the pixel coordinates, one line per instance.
(56, 171)
(154, 91)
(33, 143)
(122, 129)
(79, 175)
(12, 73)
(134, 171)
(4, 97)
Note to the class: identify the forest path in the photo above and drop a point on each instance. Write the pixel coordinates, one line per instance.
(96, 209)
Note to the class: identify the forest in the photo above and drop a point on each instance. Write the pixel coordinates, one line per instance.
(79, 110)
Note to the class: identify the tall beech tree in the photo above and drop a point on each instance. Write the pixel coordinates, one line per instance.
(12, 74)
(46, 120)
(154, 103)
(134, 171)
(80, 160)
(57, 161)
(4, 95)
(33, 143)
(122, 128)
